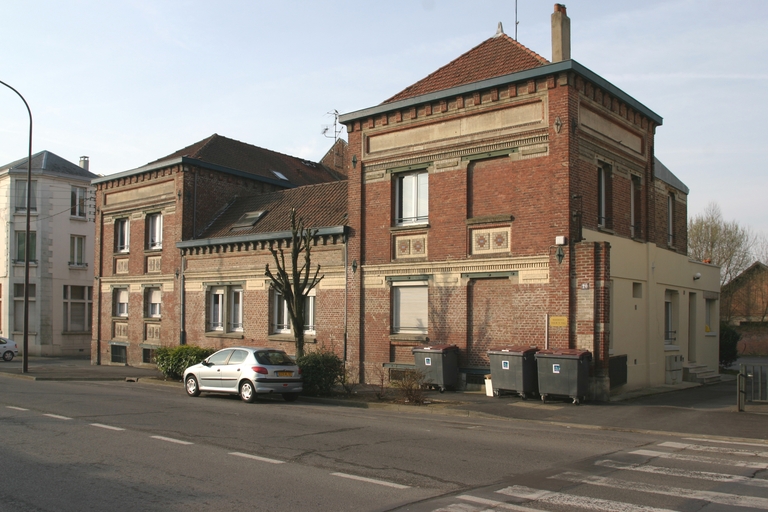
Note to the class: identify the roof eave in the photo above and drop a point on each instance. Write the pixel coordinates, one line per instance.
(192, 161)
(528, 74)
(255, 237)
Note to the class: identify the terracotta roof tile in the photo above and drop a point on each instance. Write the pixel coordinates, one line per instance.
(219, 150)
(497, 56)
(323, 205)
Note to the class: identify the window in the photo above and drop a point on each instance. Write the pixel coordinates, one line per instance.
(670, 317)
(670, 219)
(635, 200)
(76, 250)
(121, 302)
(78, 302)
(122, 235)
(148, 355)
(21, 196)
(78, 202)
(412, 198)
(21, 237)
(119, 354)
(637, 290)
(410, 306)
(711, 318)
(155, 231)
(225, 309)
(281, 321)
(18, 306)
(153, 300)
(604, 196)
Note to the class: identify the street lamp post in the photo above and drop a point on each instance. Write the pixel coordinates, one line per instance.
(24, 355)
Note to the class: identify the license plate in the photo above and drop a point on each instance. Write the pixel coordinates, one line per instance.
(284, 374)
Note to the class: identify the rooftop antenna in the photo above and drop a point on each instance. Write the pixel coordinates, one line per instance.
(336, 128)
(516, 22)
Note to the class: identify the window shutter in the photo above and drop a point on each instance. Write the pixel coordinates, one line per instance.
(411, 309)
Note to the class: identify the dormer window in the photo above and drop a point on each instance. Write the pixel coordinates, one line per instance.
(279, 175)
(248, 219)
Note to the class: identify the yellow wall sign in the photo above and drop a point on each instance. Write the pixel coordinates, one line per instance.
(558, 321)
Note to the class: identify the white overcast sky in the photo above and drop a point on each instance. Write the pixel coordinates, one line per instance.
(126, 82)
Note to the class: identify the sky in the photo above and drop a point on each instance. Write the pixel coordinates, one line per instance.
(128, 82)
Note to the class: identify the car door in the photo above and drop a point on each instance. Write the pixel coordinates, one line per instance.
(230, 374)
(210, 374)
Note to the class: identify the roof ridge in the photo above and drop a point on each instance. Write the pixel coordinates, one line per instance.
(264, 149)
(521, 45)
(208, 141)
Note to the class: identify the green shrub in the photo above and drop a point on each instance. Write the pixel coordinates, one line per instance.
(321, 371)
(172, 361)
(729, 340)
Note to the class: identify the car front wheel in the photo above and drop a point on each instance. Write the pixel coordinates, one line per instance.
(247, 393)
(8, 356)
(191, 386)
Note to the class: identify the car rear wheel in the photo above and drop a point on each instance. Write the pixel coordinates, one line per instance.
(290, 397)
(8, 356)
(191, 386)
(247, 393)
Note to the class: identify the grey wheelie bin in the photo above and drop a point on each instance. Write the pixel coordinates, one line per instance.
(564, 372)
(514, 369)
(440, 365)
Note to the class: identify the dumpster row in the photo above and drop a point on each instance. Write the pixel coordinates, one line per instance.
(524, 370)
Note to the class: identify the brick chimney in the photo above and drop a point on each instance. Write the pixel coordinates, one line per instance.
(561, 34)
(84, 162)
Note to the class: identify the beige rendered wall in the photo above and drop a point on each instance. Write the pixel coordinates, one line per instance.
(637, 323)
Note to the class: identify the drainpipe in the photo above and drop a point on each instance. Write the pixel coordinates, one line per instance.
(346, 291)
(182, 316)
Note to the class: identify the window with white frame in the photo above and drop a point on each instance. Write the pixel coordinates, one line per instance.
(21, 196)
(155, 231)
(281, 321)
(225, 308)
(77, 250)
(121, 302)
(604, 196)
(21, 239)
(78, 301)
(153, 299)
(670, 316)
(78, 202)
(18, 306)
(410, 307)
(122, 235)
(412, 198)
(711, 318)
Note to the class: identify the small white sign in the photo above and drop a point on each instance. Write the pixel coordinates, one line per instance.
(427, 361)
(505, 365)
(555, 368)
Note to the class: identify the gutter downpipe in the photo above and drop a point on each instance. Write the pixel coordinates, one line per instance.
(182, 316)
(346, 291)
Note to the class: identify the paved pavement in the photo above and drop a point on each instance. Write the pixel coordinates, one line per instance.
(687, 408)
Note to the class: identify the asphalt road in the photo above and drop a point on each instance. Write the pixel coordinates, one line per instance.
(131, 446)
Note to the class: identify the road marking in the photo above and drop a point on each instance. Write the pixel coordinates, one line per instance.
(708, 460)
(57, 416)
(678, 492)
(760, 445)
(171, 440)
(15, 408)
(700, 475)
(256, 457)
(371, 480)
(557, 498)
(108, 427)
(712, 449)
(496, 504)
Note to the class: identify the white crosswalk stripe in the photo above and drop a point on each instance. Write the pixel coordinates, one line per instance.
(713, 449)
(710, 496)
(705, 460)
(700, 475)
(569, 500)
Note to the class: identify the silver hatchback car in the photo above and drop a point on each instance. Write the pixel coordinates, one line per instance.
(245, 371)
(8, 349)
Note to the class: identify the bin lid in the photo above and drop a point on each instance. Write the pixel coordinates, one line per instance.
(568, 353)
(435, 348)
(516, 349)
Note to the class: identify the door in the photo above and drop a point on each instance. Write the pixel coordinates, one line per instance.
(692, 327)
(230, 374)
(210, 375)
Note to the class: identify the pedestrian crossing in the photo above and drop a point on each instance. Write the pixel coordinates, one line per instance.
(688, 474)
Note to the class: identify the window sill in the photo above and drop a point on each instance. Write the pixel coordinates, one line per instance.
(73, 266)
(19, 263)
(604, 229)
(489, 219)
(154, 319)
(153, 250)
(289, 338)
(409, 227)
(74, 333)
(222, 334)
(24, 212)
(78, 218)
(406, 339)
(671, 348)
(710, 335)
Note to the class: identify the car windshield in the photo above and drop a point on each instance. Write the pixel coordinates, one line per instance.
(274, 358)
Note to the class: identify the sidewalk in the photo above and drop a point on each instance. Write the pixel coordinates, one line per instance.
(687, 408)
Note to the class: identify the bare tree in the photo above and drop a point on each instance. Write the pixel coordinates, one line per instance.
(294, 282)
(726, 244)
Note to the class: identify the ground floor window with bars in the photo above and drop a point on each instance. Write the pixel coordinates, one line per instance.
(225, 309)
(119, 354)
(18, 307)
(78, 302)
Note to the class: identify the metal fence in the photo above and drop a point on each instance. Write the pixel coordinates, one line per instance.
(752, 385)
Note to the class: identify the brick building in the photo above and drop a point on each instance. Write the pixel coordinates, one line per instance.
(508, 200)
(157, 222)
